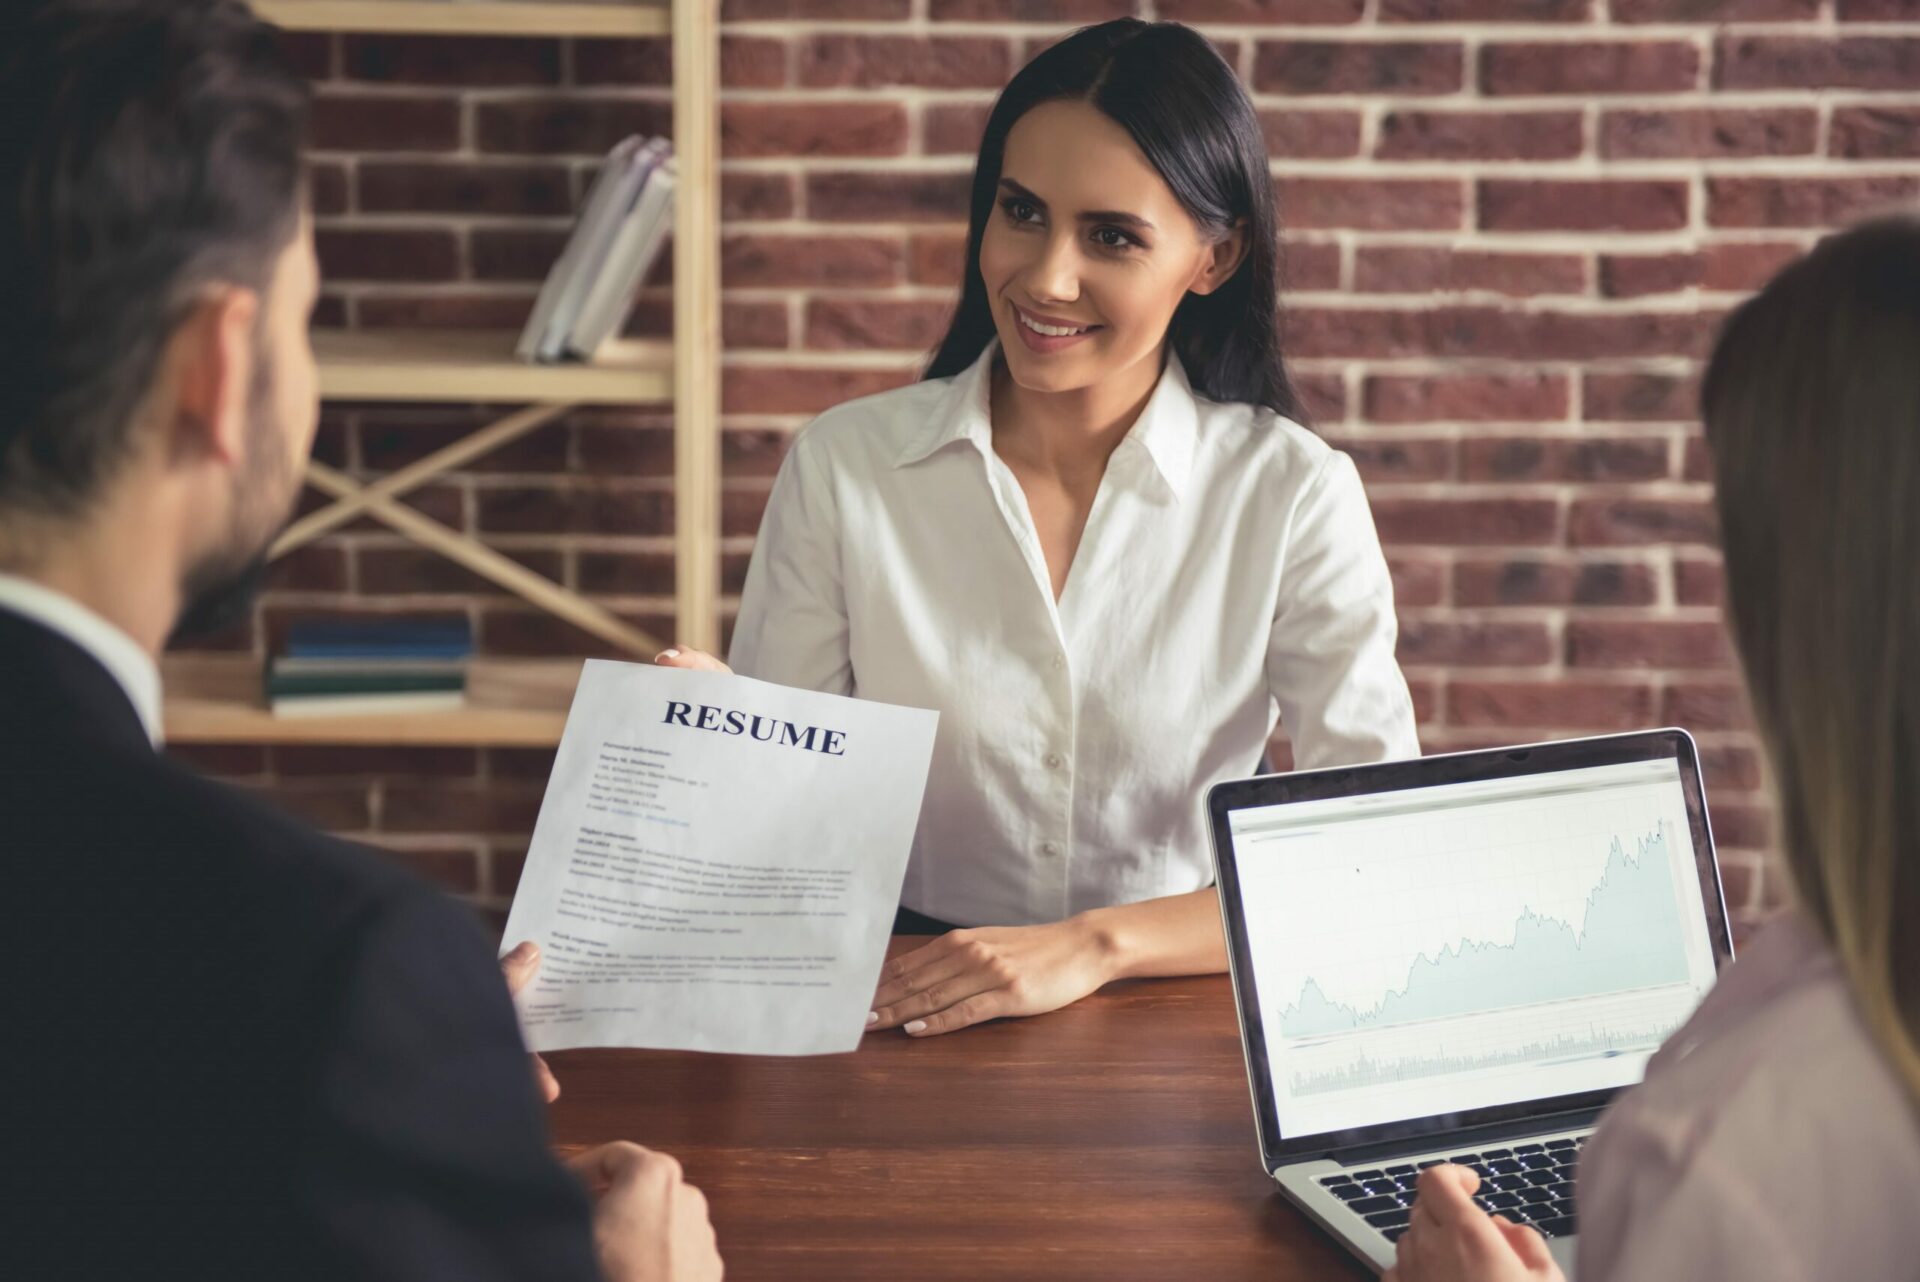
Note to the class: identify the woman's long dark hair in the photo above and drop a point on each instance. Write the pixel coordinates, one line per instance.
(1812, 407)
(1185, 109)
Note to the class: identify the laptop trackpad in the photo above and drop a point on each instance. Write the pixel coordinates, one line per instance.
(1562, 1248)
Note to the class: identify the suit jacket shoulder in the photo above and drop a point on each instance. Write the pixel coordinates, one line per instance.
(255, 1051)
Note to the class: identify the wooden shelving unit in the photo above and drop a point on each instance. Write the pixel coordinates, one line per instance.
(465, 365)
(224, 704)
(511, 704)
(469, 17)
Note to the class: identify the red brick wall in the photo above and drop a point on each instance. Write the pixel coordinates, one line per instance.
(1511, 227)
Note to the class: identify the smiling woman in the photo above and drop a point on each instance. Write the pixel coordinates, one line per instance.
(1096, 538)
(1156, 103)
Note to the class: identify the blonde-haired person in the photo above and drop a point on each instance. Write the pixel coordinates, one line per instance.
(1775, 1136)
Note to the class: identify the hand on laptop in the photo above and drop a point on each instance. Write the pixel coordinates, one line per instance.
(1453, 1240)
(649, 1224)
(520, 965)
(970, 976)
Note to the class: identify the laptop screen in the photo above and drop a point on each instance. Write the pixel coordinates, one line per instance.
(1453, 947)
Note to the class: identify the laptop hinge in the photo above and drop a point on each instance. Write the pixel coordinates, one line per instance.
(1470, 1137)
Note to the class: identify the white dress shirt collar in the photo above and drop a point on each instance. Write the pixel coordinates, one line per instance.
(115, 651)
(1168, 427)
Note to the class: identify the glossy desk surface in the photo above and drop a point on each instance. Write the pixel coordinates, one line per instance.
(1111, 1140)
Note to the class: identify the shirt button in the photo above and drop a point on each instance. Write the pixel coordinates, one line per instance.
(1055, 760)
(1059, 662)
(1050, 848)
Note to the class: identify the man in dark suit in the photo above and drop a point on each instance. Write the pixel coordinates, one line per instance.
(236, 1049)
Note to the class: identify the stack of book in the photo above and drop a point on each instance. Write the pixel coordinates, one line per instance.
(590, 291)
(343, 666)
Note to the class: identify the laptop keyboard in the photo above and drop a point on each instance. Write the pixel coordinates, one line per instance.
(1528, 1183)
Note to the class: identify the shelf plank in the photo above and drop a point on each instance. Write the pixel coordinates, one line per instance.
(468, 17)
(202, 721)
(436, 365)
(511, 704)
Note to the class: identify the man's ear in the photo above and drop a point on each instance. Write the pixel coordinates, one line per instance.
(213, 355)
(1223, 259)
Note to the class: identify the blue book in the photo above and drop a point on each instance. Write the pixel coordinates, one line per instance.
(380, 639)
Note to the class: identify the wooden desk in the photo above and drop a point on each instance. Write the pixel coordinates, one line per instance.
(1112, 1140)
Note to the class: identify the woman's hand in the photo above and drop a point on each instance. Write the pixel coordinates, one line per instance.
(970, 976)
(519, 966)
(1453, 1240)
(692, 660)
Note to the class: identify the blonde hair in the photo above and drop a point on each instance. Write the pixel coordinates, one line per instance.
(1812, 408)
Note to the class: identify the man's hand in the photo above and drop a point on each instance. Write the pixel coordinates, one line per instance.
(649, 1224)
(1452, 1240)
(520, 965)
(969, 976)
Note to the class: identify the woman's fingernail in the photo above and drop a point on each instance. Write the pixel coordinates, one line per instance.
(873, 1017)
(525, 950)
(916, 1026)
(666, 654)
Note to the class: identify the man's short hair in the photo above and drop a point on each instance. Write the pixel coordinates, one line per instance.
(148, 149)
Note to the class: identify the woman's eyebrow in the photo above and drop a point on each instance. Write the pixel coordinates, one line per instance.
(1120, 216)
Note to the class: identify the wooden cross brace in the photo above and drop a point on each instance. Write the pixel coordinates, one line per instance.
(379, 500)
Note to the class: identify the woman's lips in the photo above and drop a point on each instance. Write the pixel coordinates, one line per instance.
(1046, 343)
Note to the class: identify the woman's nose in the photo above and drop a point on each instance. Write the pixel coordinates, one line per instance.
(1054, 276)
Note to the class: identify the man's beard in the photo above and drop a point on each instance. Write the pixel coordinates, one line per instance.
(214, 604)
(219, 590)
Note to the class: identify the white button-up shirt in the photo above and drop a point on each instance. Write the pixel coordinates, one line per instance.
(1229, 574)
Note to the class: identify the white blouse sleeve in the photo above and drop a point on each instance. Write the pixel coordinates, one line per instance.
(1330, 659)
(792, 628)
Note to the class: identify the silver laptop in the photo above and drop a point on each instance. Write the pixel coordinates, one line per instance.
(1461, 958)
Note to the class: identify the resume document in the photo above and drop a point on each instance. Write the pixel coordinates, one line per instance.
(717, 863)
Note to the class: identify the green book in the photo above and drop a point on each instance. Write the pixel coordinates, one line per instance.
(282, 685)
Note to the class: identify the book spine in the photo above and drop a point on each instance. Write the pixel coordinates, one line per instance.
(594, 211)
(279, 685)
(628, 262)
(399, 652)
(596, 239)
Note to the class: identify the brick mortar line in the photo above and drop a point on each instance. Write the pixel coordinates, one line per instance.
(1587, 164)
(1568, 429)
(636, 544)
(441, 600)
(914, 96)
(1015, 30)
(1482, 239)
(1680, 303)
(1559, 490)
(780, 358)
(1598, 304)
(638, 482)
(345, 287)
(1623, 168)
(1602, 613)
(918, 98)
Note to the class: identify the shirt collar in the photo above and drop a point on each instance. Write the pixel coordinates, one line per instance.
(1168, 428)
(963, 413)
(118, 653)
